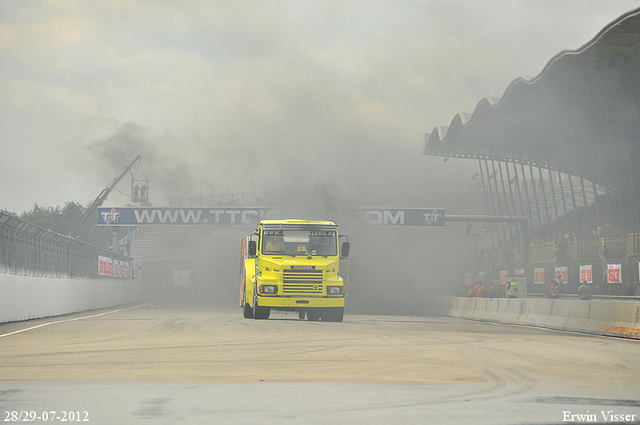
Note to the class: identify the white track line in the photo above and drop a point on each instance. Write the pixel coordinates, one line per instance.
(69, 320)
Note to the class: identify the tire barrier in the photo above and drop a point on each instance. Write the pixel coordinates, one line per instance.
(619, 318)
(30, 297)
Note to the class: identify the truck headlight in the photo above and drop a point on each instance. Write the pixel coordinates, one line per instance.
(268, 289)
(335, 290)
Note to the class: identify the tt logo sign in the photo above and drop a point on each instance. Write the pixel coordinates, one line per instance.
(432, 218)
(110, 216)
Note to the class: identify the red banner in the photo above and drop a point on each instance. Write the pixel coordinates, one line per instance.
(586, 273)
(503, 277)
(613, 273)
(115, 268)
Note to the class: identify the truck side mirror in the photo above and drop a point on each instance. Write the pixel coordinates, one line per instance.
(252, 248)
(344, 252)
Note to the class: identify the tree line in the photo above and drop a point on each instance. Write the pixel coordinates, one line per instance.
(65, 220)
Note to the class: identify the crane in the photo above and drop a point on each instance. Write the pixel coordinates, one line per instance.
(102, 197)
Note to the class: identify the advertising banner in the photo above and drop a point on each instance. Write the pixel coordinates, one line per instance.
(131, 216)
(103, 265)
(538, 275)
(586, 273)
(127, 216)
(613, 273)
(403, 217)
(114, 268)
(503, 277)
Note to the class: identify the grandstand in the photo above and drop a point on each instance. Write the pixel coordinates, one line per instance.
(579, 117)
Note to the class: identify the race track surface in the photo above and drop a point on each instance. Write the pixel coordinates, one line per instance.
(163, 362)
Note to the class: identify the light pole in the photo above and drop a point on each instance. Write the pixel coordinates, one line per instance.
(253, 189)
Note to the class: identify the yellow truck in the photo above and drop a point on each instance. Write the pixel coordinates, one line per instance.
(293, 265)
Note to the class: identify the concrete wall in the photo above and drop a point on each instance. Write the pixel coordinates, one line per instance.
(28, 297)
(598, 316)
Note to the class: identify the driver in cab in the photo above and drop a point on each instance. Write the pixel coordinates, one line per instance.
(275, 244)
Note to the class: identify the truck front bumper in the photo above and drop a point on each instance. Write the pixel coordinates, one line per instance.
(300, 302)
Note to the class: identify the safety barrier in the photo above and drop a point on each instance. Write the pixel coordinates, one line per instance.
(597, 316)
(29, 250)
(43, 273)
(31, 297)
(560, 310)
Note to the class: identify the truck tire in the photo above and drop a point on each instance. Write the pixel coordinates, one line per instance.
(333, 314)
(301, 314)
(313, 315)
(261, 312)
(247, 311)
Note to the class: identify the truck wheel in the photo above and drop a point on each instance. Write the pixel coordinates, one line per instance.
(301, 314)
(313, 314)
(261, 312)
(247, 311)
(334, 314)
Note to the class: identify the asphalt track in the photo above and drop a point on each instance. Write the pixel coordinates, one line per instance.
(167, 363)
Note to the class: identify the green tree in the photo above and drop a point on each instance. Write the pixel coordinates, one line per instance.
(45, 217)
(65, 220)
(11, 213)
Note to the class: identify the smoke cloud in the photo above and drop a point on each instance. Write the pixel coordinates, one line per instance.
(219, 95)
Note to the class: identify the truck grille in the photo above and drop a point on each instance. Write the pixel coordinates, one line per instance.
(302, 281)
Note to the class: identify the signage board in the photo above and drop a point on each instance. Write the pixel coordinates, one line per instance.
(133, 216)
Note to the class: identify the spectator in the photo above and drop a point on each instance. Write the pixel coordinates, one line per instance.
(480, 289)
(492, 291)
(512, 289)
(584, 291)
(551, 288)
(473, 292)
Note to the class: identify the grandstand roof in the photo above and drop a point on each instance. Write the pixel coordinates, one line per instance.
(579, 115)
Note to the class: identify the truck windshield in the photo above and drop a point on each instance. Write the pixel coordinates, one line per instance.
(298, 242)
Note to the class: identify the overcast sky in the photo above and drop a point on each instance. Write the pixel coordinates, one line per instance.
(217, 94)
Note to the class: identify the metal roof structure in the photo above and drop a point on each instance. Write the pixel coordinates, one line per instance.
(579, 115)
